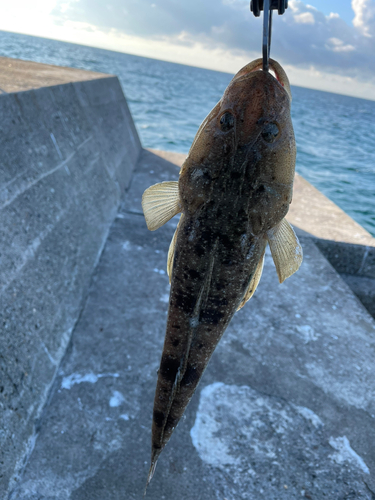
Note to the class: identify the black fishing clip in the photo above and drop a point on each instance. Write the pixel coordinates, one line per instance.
(268, 6)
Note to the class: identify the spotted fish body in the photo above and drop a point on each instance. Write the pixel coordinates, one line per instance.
(234, 191)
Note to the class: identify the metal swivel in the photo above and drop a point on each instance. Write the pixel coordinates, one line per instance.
(283, 4)
(256, 6)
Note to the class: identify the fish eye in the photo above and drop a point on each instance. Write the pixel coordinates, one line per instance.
(270, 132)
(226, 121)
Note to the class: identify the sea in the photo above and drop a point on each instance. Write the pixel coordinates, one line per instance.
(335, 134)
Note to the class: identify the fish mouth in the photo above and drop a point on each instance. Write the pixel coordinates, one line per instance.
(257, 65)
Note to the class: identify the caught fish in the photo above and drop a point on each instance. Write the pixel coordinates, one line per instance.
(234, 191)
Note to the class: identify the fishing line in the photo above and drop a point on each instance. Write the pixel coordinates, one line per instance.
(256, 6)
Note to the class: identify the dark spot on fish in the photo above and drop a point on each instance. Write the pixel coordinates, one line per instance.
(199, 250)
(176, 327)
(219, 286)
(226, 241)
(206, 175)
(227, 262)
(171, 422)
(261, 189)
(211, 316)
(206, 236)
(175, 255)
(194, 274)
(169, 367)
(156, 446)
(175, 341)
(227, 149)
(190, 376)
(186, 302)
(235, 175)
(218, 302)
(159, 418)
(178, 279)
(200, 346)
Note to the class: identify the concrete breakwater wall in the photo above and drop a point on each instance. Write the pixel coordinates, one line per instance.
(68, 147)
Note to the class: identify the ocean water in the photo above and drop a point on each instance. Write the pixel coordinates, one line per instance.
(335, 134)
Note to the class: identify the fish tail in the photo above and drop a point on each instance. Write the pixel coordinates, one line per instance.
(154, 460)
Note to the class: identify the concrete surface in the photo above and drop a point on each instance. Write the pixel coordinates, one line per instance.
(347, 245)
(67, 154)
(17, 75)
(286, 408)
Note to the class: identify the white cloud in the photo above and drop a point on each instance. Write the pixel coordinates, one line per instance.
(302, 37)
(364, 19)
(338, 45)
(304, 18)
(333, 15)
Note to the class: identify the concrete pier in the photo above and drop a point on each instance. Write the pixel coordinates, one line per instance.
(68, 148)
(286, 407)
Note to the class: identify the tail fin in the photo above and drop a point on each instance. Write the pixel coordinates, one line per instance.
(154, 460)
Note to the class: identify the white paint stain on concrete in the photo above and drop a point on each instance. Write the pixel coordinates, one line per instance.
(345, 453)
(211, 449)
(116, 400)
(78, 378)
(309, 415)
(237, 425)
(224, 412)
(307, 333)
(345, 384)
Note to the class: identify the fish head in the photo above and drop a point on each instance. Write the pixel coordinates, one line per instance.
(247, 140)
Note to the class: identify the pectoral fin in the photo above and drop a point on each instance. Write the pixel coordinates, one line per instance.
(285, 248)
(253, 282)
(171, 251)
(160, 203)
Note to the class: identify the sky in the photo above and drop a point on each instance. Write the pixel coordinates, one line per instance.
(323, 44)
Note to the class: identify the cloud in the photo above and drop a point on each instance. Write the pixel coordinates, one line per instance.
(338, 45)
(364, 19)
(303, 37)
(304, 18)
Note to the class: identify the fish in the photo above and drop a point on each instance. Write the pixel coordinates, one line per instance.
(233, 193)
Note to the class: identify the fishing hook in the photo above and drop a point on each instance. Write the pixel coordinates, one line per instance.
(267, 6)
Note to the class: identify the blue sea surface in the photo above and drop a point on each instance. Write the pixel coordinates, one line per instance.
(335, 134)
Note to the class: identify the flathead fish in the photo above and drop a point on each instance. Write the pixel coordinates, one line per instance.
(234, 191)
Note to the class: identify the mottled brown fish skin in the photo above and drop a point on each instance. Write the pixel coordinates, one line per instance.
(235, 185)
